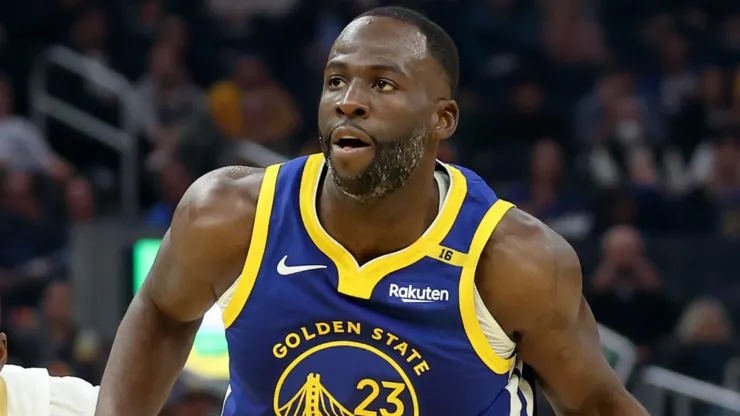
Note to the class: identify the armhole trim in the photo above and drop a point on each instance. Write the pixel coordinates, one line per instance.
(472, 326)
(257, 245)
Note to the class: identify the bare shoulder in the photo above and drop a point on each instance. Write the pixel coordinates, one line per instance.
(525, 262)
(529, 277)
(220, 200)
(217, 213)
(204, 251)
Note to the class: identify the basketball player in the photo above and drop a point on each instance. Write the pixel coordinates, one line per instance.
(370, 279)
(33, 392)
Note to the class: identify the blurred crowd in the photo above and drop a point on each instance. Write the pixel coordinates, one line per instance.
(615, 122)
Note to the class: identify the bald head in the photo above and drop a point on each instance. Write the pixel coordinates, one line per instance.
(439, 45)
(385, 44)
(382, 30)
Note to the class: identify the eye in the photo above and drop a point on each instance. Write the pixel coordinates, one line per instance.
(384, 86)
(335, 83)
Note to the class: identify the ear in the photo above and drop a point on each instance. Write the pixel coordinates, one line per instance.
(447, 116)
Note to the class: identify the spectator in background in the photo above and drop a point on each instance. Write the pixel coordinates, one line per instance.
(166, 101)
(174, 34)
(174, 181)
(199, 62)
(618, 132)
(498, 37)
(591, 111)
(254, 106)
(723, 187)
(730, 37)
(625, 131)
(22, 146)
(583, 43)
(88, 89)
(32, 237)
(709, 111)
(147, 14)
(676, 82)
(50, 337)
(79, 201)
(511, 132)
(548, 194)
(526, 119)
(639, 200)
(238, 14)
(331, 16)
(702, 343)
(626, 290)
(89, 36)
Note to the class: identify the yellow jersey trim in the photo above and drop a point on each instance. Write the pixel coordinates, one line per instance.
(256, 246)
(3, 397)
(359, 281)
(467, 290)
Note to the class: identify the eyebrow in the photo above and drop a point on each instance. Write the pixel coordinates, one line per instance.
(374, 67)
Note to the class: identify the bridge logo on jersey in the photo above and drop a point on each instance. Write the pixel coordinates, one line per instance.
(409, 293)
(347, 369)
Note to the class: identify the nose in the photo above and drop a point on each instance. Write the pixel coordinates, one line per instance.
(353, 105)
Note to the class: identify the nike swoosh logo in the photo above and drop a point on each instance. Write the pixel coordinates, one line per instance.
(285, 270)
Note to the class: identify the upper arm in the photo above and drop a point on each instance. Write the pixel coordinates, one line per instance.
(203, 252)
(537, 299)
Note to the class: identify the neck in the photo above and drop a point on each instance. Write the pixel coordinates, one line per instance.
(370, 230)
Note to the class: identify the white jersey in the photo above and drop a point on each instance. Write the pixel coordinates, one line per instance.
(33, 392)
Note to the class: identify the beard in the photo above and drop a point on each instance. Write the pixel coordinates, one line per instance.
(390, 169)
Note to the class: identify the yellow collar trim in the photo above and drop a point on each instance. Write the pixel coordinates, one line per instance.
(359, 281)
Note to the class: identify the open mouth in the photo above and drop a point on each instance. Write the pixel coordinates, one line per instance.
(350, 143)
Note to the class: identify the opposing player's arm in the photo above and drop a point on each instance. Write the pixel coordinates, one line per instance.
(200, 257)
(530, 279)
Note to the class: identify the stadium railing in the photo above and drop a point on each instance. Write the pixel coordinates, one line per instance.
(732, 374)
(619, 351)
(122, 139)
(256, 154)
(656, 385)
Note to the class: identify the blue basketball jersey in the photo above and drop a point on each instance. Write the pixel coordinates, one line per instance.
(312, 333)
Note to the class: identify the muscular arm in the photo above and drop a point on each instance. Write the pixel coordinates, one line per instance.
(530, 279)
(200, 257)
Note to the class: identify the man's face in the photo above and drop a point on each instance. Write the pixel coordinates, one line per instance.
(380, 94)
